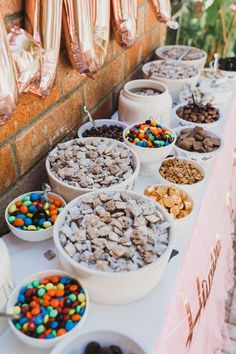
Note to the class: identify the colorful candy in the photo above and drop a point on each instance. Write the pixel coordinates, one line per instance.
(49, 308)
(149, 134)
(32, 214)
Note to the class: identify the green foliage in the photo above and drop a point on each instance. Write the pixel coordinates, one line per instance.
(200, 25)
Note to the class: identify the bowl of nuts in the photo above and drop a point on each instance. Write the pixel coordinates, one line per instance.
(174, 75)
(175, 200)
(197, 143)
(197, 114)
(194, 56)
(83, 165)
(115, 240)
(182, 172)
(106, 128)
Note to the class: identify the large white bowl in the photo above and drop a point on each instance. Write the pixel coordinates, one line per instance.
(199, 63)
(105, 287)
(99, 123)
(199, 157)
(149, 157)
(189, 188)
(105, 338)
(183, 122)
(32, 236)
(70, 192)
(43, 343)
(175, 86)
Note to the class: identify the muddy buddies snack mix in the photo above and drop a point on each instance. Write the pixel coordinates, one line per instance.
(169, 70)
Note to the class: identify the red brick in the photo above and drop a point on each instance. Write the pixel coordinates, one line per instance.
(7, 168)
(37, 140)
(151, 19)
(104, 81)
(29, 107)
(104, 109)
(8, 7)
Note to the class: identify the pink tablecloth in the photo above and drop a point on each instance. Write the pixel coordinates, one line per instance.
(195, 322)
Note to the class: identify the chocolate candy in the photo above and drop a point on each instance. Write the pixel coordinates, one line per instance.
(198, 140)
(228, 64)
(167, 70)
(175, 52)
(199, 113)
(105, 131)
(95, 348)
(149, 135)
(92, 348)
(44, 309)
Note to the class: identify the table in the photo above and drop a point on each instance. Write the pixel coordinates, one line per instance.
(164, 321)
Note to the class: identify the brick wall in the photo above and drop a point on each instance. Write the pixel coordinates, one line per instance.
(38, 124)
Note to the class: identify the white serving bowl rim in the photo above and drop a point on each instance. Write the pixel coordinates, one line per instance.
(143, 81)
(111, 274)
(159, 50)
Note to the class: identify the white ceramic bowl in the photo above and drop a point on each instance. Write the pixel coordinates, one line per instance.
(185, 96)
(32, 236)
(149, 157)
(178, 223)
(105, 338)
(189, 188)
(43, 343)
(99, 123)
(175, 86)
(137, 108)
(105, 287)
(183, 122)
(70, 192)
(199, 63)
(230, 74)
(199, 157)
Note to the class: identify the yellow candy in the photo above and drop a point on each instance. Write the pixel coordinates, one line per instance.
(25, 326)
(81, 297)
(60, 286)
(12, 209)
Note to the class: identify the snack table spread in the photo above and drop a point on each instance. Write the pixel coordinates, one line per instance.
(164, 321)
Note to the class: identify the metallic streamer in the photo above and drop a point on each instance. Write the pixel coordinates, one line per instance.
(162, 10)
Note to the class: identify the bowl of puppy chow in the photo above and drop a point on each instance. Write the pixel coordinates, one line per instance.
(115, 240)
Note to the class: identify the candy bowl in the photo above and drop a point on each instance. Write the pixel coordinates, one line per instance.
(197, 144)
(104, 338)
(83, 165)
(108, 128)
(200, 115)
(181, 172)
(176, 201)
(30, 221)
(105, 271)
(195, 56)
(174, 75)
(44, 325)
(150, 151)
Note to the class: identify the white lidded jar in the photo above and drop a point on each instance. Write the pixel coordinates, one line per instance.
(136, 108)
(6, 283)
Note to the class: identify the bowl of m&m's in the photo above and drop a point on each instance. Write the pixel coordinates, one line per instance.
(48, 306)
(152, 142)
(31, 218)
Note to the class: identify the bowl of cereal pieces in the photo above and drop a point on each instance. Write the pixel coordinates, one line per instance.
(181, 172)
(194, 56)
(83, 165)
(115, 240)
(174, 75)
(197, 143)
(178, 203)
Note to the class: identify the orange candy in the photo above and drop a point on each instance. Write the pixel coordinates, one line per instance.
(61, 331)
(141, 136)
(35, 203)
(19, 222)
(53, 218)
(52, 207)
(76, 317)
(57, 202)
(51, 292)
(51, 200)
(53, 212)
(46, 303)
(149, 143)
(18, 203)
(48, 331)
(60, 292)
(73, 287)
(36, 311)
(54, 303)
(55, 279)
(24, 209)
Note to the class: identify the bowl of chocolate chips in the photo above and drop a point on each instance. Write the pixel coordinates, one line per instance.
(105, 128)
(197, 143)
(197, 114)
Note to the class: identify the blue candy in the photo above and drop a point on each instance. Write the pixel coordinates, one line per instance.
(69, 325)
(23, 320)
(139, 143)
(49, 336)
(38, 320)
(65, 280)
(41, 221)
(21, 216)
(23, 290)
(28, 221)
(32, 208)
(21, 298)
(54, 324)
(82, 311)
(34, 197)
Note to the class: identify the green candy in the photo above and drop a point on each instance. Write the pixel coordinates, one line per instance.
(157, 142)
(18, 326)
(54, 333)
(151, 137)
(25, 228)
(40, 329)
(26, 198)
(11, 219)
(77, 309)
(53, 313)
(27, 202)
(50, 308)
(72, 297)
(59, 210)
(30, 286)
(35, 283)
(41, 292)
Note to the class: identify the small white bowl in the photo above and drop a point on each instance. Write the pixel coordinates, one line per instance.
(199, 63)
(43, 343)
(183, 122)
(149, 157)
(230, 74)
(190, 188)
(175, 86)
(178, 223)
(105, 338)
(200, 157)
(70, 192)
(99, 123)
(32, 236)
(104, 287)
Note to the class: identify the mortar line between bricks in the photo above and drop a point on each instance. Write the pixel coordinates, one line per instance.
(14, 158)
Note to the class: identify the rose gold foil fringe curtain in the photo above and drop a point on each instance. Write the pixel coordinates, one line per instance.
(162, 10)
